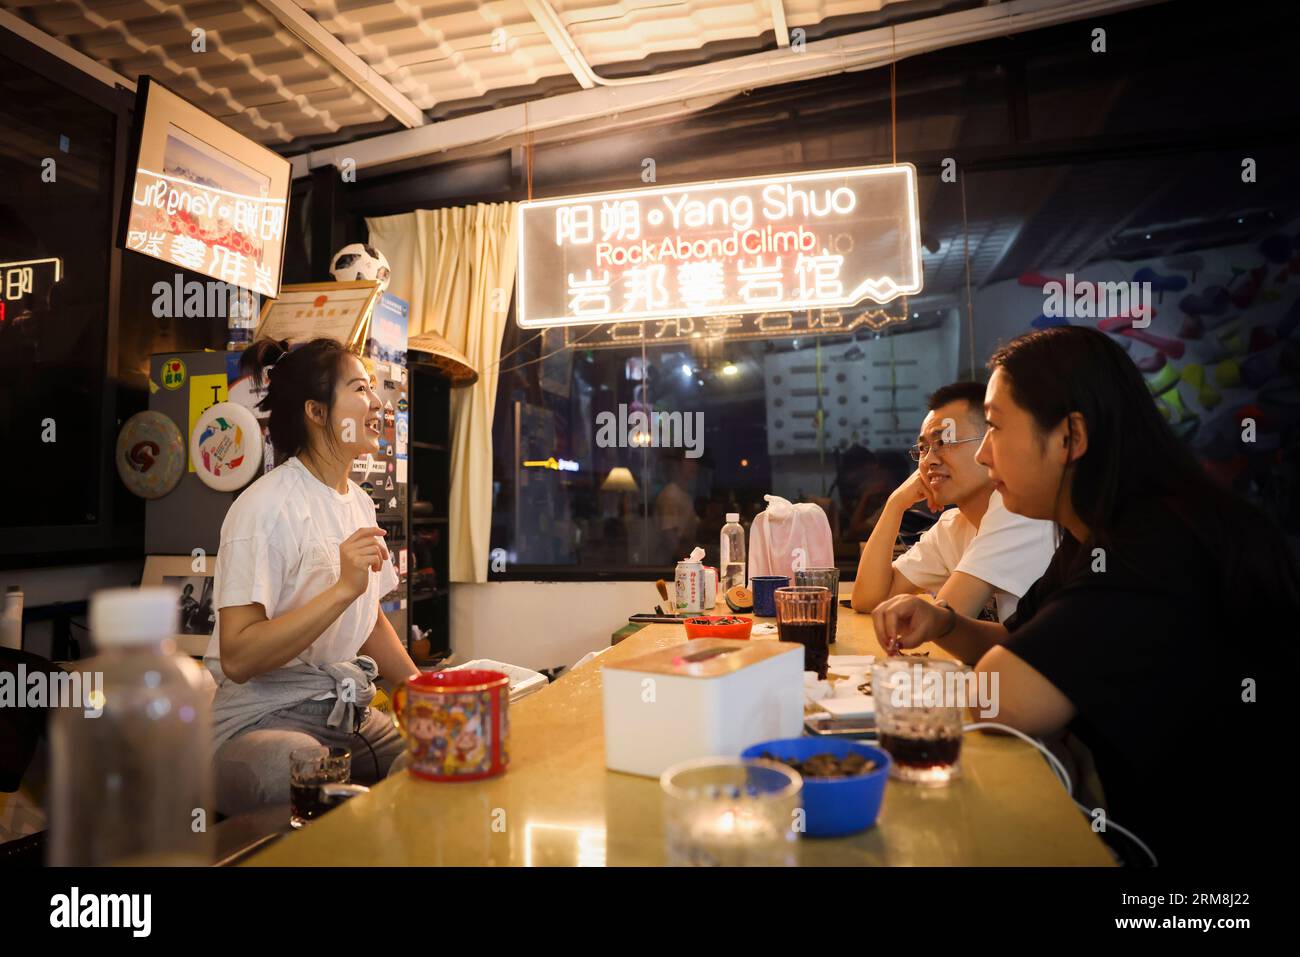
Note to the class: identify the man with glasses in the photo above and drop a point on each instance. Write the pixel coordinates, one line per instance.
(975, 552)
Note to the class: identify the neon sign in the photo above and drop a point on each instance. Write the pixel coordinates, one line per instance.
(680, 330)
(809, 241)
(17, 279)
(556, 465)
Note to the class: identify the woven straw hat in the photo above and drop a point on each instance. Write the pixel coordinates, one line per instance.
(439, 352)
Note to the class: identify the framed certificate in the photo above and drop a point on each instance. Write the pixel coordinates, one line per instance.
(335, 310)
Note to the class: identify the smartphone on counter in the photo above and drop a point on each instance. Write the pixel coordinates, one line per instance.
(842, 727)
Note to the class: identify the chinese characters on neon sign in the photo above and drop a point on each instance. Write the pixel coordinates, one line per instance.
(758, 325)
(18, 281)
(17, 278)
(807, 241)
(202, 197)
(210, 231)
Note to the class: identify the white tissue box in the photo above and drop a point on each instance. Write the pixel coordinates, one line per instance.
(702, 698)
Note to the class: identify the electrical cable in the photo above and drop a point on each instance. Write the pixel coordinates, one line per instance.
(568, 345)
(1063, 776)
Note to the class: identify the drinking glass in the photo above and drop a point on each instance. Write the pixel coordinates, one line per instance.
(920, 705)
(729, 812)
(803, 617)
(309, 769)
(826, 578)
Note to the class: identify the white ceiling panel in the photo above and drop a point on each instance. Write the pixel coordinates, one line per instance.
(264, 76)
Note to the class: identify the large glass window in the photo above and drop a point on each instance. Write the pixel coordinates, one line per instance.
(56, 196)
(584, 481)
(1039, 159)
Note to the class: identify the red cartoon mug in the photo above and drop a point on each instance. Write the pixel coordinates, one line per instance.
(456, 724)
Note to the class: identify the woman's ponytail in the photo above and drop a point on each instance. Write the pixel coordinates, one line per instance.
(307, 373)
(262, 355)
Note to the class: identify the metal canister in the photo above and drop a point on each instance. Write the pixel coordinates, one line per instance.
(689, 588)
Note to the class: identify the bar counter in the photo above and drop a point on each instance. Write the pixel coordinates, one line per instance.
(557, 805)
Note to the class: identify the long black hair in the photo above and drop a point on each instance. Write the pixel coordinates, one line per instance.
(1135, 456)
(294, 377)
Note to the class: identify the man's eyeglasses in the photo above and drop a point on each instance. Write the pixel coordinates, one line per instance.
(918, 452)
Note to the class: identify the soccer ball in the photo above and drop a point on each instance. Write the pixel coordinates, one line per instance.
(360, 261)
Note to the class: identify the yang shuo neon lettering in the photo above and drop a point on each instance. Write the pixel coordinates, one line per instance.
(807, 241)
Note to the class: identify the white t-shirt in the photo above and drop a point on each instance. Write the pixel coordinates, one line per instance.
(1008, 551)
(280, 549)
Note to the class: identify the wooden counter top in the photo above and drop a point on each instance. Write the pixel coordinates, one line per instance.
(557, 805)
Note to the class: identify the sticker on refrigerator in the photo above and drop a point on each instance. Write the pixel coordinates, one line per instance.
(226, 447)
(401, 431)
(367, 464)
(205, 392)
(150, 454)
(173, 373)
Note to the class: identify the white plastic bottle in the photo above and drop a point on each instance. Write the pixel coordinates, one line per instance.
(133, 785)
(731, 553)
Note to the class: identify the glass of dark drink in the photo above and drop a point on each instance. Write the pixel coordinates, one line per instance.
(920, 706)
(803, 617)
(309, 769)
(827, 578)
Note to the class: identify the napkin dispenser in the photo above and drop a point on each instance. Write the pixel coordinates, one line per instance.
(702, 698)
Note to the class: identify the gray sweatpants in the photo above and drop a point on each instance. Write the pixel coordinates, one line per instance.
(252, 768)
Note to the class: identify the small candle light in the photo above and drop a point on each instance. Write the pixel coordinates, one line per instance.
(729, 812)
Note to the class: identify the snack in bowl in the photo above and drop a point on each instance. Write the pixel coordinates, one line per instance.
(717, 626)
(843, 781)
(826, 765)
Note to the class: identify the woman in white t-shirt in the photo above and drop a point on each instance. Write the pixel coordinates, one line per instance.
(299, 576)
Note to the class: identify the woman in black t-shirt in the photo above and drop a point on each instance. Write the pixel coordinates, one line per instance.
(1166, 609)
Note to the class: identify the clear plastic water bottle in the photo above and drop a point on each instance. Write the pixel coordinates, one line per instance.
(131, 760)
(731, 552)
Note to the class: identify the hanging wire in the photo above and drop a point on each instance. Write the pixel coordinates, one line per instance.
(568, 345)
(965, 244)
(893, 93)
(645, 450)
(528, 341)
(528, 151)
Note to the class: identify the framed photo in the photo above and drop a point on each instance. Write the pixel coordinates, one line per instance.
(197, 616)
(337, 310)
(203, 197)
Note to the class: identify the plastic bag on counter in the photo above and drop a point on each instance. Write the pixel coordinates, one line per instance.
(785, 536)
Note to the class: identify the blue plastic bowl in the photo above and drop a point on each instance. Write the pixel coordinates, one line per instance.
(833, 806)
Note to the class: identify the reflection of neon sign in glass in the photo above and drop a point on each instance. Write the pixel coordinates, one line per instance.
(17, 279)
(202, 197)
(805, 241)
(217, 231)
(556, 465)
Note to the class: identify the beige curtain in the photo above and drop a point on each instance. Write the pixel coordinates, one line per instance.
(456, 267)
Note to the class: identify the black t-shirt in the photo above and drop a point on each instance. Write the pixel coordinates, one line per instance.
(1152, 651)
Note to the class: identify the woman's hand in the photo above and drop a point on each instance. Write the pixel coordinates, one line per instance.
(906, 621)
(916, 489)
(360, 554)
